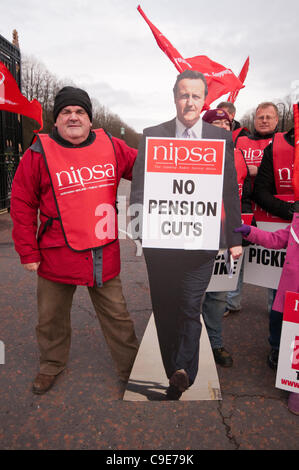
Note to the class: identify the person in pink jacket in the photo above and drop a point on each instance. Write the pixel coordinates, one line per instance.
(289, 281)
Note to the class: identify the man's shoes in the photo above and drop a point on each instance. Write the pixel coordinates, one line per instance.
(228, 311)
(272, 358)
(222, 357)
(42, 383)
(172, 393)
(293, 403)
(180, 380)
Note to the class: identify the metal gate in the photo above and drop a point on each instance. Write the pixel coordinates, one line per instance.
(11, 136)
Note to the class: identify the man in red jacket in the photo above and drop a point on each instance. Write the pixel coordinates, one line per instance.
(265, 126)
(69, 179)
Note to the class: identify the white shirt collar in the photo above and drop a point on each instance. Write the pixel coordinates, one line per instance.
(196, 130)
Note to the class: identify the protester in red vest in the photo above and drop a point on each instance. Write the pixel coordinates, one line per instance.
(220, 118)
(214, 305)
(69, 178)
(289, 281)
(274, 177)
(230, 109)
(265, 126)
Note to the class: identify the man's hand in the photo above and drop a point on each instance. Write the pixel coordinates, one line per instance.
(32, 266)
(252, 170)
(236, 251)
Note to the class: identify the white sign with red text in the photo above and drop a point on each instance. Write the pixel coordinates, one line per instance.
(183, 193)
(287, 376)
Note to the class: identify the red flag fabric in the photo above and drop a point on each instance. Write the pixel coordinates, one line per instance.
(242, 75)
(164, 44)
(220, 79)
(296, 159)
(11, 99)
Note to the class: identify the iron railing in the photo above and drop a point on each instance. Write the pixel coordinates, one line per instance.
(11, 135)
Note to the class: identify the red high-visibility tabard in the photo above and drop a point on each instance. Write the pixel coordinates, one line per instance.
(84, 182)
(241, 169)
(253, 149)
(283, 164)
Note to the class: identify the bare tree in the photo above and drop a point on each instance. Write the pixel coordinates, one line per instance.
(39, 83)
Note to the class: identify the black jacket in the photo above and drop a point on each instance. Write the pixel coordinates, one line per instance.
(264, 185)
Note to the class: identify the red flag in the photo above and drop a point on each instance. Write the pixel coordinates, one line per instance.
(242, 75)
(296, 159)
(220, 79)
(11, 99)
(164, 44)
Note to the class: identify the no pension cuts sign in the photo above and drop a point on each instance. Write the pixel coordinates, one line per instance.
(183, 193)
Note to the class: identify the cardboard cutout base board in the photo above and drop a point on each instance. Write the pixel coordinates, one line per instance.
(148, 381)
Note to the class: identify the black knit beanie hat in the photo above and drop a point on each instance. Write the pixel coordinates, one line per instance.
(70, 96)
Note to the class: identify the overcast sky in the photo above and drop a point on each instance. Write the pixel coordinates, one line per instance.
(106, 47)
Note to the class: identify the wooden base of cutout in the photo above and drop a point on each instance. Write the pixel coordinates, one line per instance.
(148, 381)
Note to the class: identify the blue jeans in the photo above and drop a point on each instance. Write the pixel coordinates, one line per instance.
(213, 308)
(271, 297)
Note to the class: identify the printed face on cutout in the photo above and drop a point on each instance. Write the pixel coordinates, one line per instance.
(189, 100)
(73, 124)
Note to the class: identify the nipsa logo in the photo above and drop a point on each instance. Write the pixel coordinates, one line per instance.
(83, 176)
(185, 155)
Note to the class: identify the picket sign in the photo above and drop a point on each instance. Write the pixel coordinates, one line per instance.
(287, 376)
(183, 193)
(225, 273)
(263, 266)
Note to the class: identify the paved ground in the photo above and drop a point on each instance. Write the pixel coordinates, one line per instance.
(85, 410)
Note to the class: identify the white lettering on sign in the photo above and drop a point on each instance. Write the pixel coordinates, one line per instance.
(177, 154)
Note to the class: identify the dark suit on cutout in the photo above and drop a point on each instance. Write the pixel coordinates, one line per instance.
(178, 278)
